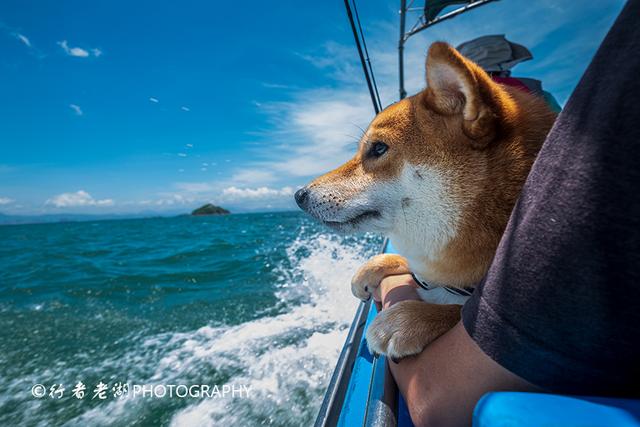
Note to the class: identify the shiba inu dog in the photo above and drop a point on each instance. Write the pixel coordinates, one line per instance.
(438, 173)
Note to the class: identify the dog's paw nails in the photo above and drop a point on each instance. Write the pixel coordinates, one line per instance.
(361, 292)
(365, 281)
(366, 289)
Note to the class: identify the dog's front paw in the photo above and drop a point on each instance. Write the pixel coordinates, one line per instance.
(369, 276)
(407, 327)
(393, 332)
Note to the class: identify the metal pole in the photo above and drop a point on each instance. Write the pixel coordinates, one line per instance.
(403, 18)
(449, 15)
(366, 54)
(376, 108)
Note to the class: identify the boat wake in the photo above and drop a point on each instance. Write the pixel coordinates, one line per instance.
(286, 358)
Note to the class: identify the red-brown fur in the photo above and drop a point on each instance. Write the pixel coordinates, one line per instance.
(484, 137)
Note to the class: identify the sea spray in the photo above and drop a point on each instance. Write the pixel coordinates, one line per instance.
(261, 301)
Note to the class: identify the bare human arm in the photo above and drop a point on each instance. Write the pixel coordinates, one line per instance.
(443, 383)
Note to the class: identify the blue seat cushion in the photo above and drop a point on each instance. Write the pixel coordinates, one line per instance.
(511, 409)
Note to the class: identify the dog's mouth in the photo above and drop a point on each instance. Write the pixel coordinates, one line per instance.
(354, 221)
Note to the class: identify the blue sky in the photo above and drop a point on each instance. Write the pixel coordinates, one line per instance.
(122, 107)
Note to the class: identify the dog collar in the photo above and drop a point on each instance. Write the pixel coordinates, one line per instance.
(463, 292)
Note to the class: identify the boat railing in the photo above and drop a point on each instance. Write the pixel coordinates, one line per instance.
(379, 395)
(334, 397)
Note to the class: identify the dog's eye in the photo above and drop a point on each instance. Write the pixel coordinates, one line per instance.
(378, 149)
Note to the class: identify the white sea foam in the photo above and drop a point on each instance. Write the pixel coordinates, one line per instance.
(287, 359)
(287, 378)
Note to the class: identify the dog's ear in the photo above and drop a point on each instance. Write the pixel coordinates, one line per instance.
(456, 85)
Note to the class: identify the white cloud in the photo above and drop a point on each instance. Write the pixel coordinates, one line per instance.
(5, 201)
(76, 109)
(317, 128)
(195, 187)
(235, 193)
(225, 192)
(253, 176)
(24, 39)
(239, 179)
(73, 51)
(169, 200)
(16, 34)
(321, 128)
(277, 86)
(79, 198)
(185, 108)
(78, 51)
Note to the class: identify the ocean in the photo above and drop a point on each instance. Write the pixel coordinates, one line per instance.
(260, 301)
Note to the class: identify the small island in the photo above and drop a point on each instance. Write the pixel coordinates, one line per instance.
(210, 209)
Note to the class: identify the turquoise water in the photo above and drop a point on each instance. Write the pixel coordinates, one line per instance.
(260, 300)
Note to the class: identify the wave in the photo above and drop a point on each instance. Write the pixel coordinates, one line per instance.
(286, 358)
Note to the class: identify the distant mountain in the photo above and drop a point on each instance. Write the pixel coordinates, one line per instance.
(70, 217)
(210, 209)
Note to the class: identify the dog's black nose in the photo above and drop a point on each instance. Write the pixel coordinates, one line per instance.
(301, 196)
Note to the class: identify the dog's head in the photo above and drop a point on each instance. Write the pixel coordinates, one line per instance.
(422, 160)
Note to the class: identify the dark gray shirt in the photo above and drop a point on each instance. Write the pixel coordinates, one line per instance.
(560, 304)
